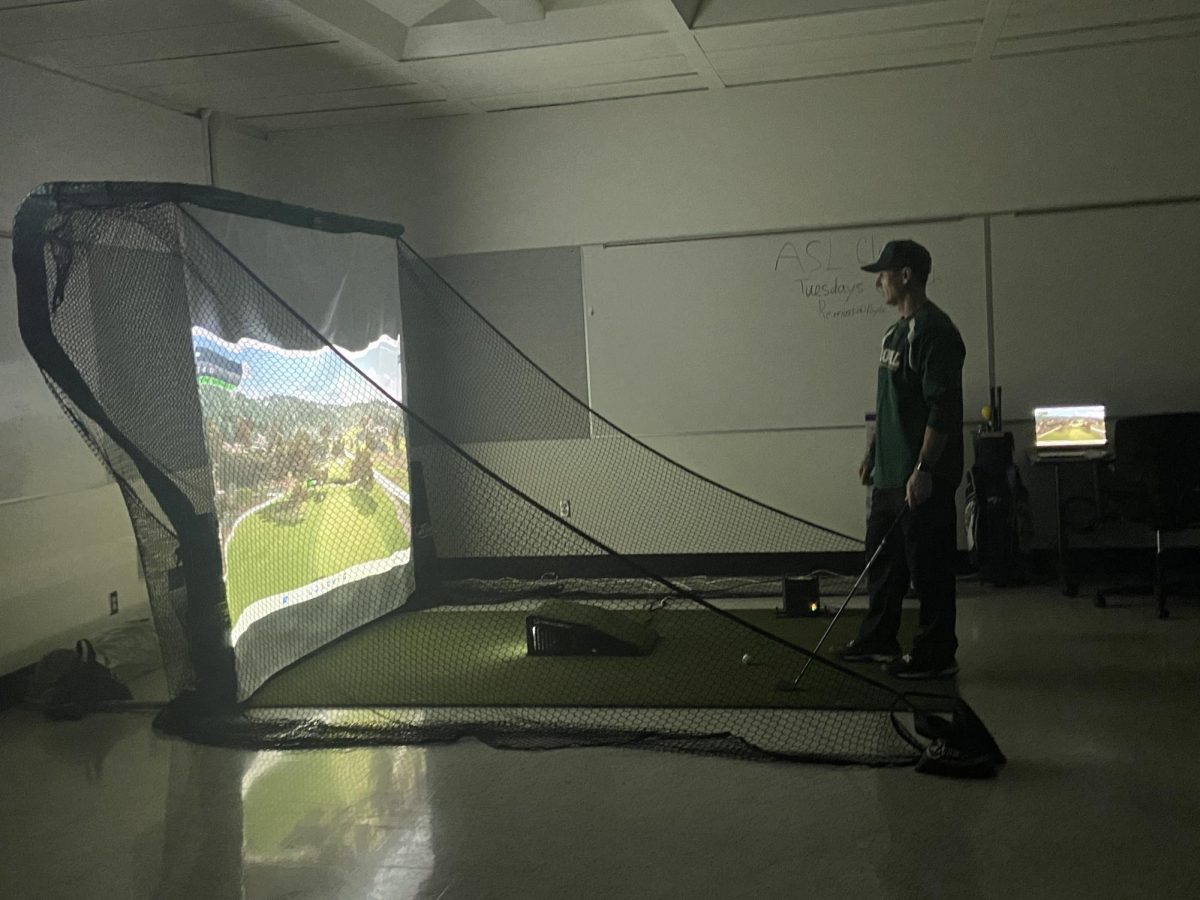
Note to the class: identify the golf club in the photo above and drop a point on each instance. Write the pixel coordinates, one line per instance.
(794, 684)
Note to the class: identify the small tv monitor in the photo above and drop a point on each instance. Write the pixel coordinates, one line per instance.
(1068, 427)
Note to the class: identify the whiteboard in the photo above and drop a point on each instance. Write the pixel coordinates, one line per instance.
(535, 299)
(764, 332)
(1098, 306)
(532, 297)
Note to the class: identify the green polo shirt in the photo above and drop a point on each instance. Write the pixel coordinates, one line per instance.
(919, 385)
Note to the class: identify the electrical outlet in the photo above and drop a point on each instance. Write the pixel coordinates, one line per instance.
(112, 603)
(564, 508)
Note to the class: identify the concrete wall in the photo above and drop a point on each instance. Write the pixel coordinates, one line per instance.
(1108, 125)
(65, 539)
(1085, 126)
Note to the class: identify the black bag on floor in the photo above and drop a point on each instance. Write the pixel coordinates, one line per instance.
(961, 747)
(69, 684)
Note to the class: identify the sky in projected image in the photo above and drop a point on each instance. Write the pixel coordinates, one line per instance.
(319, 376)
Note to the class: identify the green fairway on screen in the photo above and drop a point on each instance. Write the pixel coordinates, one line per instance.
(310, 468)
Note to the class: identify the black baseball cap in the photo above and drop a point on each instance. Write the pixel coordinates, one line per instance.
(898, 254)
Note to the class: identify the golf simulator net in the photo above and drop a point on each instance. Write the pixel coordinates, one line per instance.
(365, 516)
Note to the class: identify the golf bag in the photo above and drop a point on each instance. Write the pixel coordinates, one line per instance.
(68, 684)
(997, 510)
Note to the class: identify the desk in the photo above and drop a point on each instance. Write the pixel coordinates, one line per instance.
(1091, 458)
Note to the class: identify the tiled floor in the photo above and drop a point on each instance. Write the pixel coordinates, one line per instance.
(1098, 710)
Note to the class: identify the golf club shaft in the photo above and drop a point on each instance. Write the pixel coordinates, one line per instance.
(862, 575)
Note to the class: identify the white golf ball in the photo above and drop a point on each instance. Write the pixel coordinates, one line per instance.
(746, 659)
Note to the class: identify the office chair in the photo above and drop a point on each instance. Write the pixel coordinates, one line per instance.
(1154, 479)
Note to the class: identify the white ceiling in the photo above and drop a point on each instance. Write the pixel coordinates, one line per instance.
(279, 65)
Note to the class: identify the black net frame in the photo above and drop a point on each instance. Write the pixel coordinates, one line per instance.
(490, 442)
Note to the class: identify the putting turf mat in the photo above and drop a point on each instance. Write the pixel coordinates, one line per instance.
(410, 659)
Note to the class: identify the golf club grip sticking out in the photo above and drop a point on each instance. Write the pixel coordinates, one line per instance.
(870, 562)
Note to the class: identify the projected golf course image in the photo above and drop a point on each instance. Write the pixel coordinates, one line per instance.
(310, 467)
(1069, 426)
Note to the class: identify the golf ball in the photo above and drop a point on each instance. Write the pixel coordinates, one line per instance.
(746, 659)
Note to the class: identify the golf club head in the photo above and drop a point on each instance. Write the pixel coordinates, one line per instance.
(790, 685)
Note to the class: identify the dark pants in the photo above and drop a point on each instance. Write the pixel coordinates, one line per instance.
(921, 552)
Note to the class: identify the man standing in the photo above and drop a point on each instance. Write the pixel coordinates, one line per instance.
(914, 462)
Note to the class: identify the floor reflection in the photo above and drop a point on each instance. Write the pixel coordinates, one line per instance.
(347, 820)
(330, 824)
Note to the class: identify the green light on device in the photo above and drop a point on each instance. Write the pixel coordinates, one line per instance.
(801, 596)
